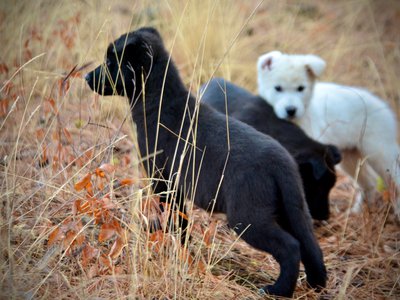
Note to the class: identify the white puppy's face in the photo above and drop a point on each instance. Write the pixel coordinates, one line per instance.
(286, 81)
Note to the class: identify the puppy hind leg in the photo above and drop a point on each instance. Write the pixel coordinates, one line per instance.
(312, 259)
(387, 164)
(284, 248)
(311, 255)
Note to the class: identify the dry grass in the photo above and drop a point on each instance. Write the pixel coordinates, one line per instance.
(41, 43)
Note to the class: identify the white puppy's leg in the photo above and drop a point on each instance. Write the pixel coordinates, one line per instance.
(386, 163)
(364, 176)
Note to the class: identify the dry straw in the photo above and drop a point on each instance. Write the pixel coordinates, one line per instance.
(75, 204)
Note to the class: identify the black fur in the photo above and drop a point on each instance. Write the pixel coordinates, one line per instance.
(316, 161)
(264, 205)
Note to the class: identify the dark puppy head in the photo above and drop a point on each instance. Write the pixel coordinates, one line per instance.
(318, 174)
(128, 62)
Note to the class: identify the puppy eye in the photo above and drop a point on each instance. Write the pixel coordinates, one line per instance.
(300, 88)
(278, 88)
(108, 62)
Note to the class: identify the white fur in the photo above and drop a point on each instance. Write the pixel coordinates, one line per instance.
(358, 122)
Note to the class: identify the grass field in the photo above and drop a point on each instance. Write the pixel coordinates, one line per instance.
(74, 199)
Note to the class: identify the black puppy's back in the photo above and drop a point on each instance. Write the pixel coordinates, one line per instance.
(316, 161)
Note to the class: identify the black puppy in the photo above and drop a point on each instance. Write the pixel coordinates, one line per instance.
(220, 168)
(316, 161)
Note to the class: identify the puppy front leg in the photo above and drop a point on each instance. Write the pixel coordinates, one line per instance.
(363, 175)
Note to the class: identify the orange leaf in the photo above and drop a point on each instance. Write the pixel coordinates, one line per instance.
(55, 236)
(210, 232)
(8, 87)
(88, 154)
(55, 163)
(40, 134)
(386, 196)
(76, 206)
(4, 107)
(117, 226)
(67, 135)
(76, 75)
(56, 136)
(201, 266)
(185, 256)
(43, 161)
(105, 261)
(158, 239)
(116, 248)
(107, 231)
(84, 208)
(3, 68)
(80, 238)
(67, 242)
(63, 86)
(93, 271)
(88, 254)
(100, 185)
(104, 168)
(127, 181)
(157, 236)
(80, 185)
(52, 103)
(126, 159)
(107, 202)
(89, 188)
(118, 270)
(183, 215)
(100, 173)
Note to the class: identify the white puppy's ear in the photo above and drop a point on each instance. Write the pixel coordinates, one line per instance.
(315, 65)
(265, 60)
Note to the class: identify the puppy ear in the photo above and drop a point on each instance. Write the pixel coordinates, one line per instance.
(265, 61)
(316, 165)
(334, 154)
(315, 65)
(150, 30)
(319, 168)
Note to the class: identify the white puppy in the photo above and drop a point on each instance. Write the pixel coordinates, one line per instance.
(359, 123)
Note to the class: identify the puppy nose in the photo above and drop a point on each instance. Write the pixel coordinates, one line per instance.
(291, 111)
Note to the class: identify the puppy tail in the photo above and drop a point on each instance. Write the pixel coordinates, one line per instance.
(300, 226)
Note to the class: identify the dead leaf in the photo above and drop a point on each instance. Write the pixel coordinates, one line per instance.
(88, 254)
(210, 233)
(40, 134)
(117, 247)
(67, 135)
(105, 261)
(127, 181)
(4, 107)
(3, 68)
(107, 231)
(80, 185)
(89, 188)
(55, 236)
(93, 271)
(67, 241)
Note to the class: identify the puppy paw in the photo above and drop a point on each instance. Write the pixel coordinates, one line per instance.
(274, 290)
(316, 282)
(358, 202)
